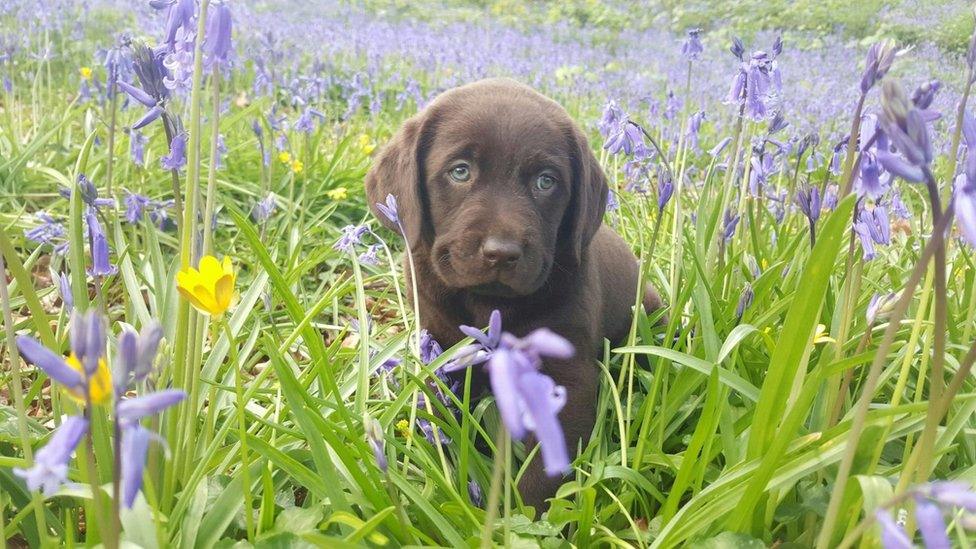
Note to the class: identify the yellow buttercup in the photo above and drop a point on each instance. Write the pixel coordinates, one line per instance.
(211, 289)
(85, 72)
(99, 383)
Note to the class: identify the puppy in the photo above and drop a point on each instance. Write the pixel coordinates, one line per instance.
(502, 203)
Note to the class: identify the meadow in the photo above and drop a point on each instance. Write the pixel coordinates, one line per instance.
(208, 338)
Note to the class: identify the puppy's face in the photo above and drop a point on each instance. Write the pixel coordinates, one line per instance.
(498, 178)
(497, 183)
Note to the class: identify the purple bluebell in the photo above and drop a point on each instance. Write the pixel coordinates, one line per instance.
(810, 204)
(217, 45)
(50, 469)
(835, 159)
(176, 158)
(527, 399)
(738, 49)
(370, 256)
(863, 232)
(613, 203)
(136, 355)
(179, 15)
(692, 47)
(374, 436)
(131, 410)
(892, 535)
(264, 208)
(134, 449)
(474, 492)
(53, 365)
(720, 146)
(665, 188)
(429, 348)
(389, 209)
(626, 138)
(931, 524)
(694, 128)
(49, 231)
(101, 264)
(612, 117)
(64, 289)
(89, 194)
(137, 147)
(351, 236)
(879, 59)
(965, 209)
(954, 494)
(135, 204)
(964, 202)
(87, 337)
(903, 124)
(730, 221)
(923, 95)
(745, 301)
(879, 306)
(873, 180)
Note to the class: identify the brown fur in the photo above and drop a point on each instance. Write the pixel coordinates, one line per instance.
(572, 273)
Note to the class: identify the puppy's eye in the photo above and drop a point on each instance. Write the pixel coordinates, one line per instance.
(460, 173)
(545, 182)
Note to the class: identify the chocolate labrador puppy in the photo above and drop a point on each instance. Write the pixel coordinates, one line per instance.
(502, 202)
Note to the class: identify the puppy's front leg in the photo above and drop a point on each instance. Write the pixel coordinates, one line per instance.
(580, 377)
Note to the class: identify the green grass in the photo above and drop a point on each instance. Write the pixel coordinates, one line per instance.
(712, 430)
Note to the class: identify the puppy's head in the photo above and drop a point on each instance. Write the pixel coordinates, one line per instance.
(496, 183)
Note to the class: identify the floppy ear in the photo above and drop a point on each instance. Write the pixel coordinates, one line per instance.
(397, 171)
(589, 201)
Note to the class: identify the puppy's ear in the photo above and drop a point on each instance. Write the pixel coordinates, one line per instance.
(397, 171)
(589, 201)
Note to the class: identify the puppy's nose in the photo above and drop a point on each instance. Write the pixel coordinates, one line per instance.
(501, 252)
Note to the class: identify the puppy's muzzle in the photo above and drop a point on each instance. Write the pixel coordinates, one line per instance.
(500, 253)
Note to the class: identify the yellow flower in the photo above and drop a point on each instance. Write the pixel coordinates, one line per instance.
(821, 335)
(210, 289)
(297, 166)
(403, 427)
(86, 73)
(284, 157)
(366, 143)
(99, 384)
(338, 193)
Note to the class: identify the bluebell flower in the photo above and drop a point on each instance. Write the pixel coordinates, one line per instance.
(374, 436)
(176, 158)
(351, 236)
(389, 209)
(873, 180)
(135, 205)
(217, 45)
(264, 208)
(474, 492)
(626, 138)
(137, 147)
(527, 399)
(370, 256)
(134, 448)
(892, 535)
(745, 301)
(101, 264)
(879, 59)
(730, 221)
(50, 468)
(810, 204)
(692, 47)
(49, 231)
